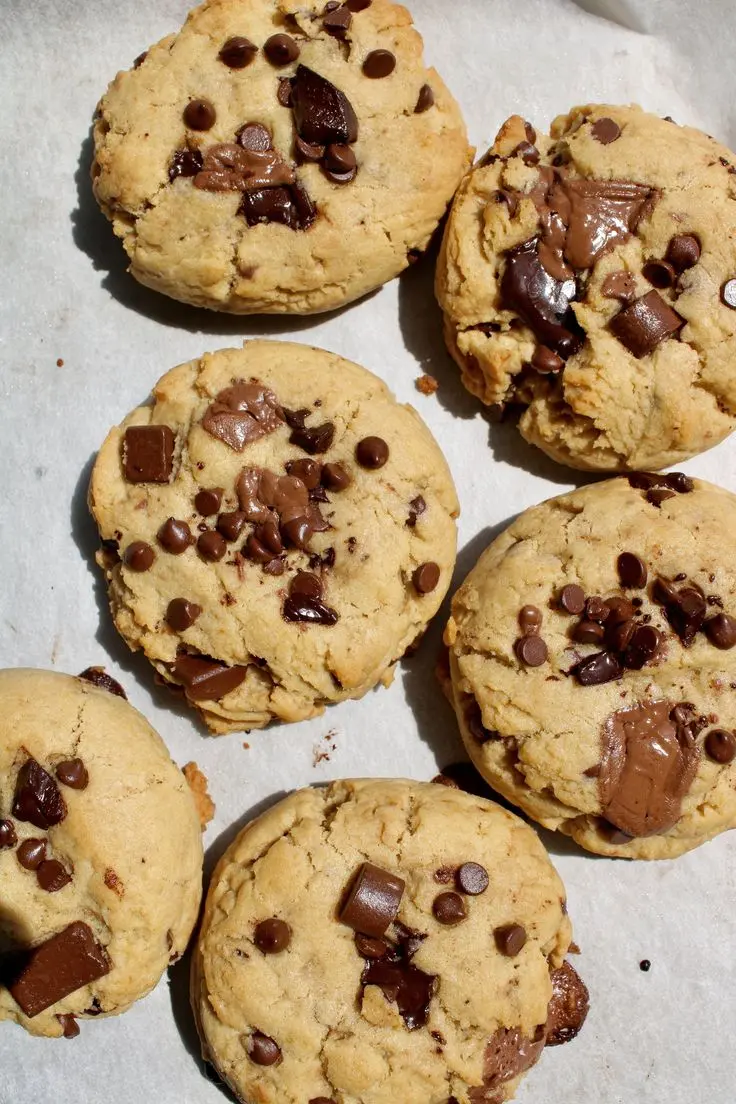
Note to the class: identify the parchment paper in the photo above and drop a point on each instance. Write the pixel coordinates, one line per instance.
(662, 1037)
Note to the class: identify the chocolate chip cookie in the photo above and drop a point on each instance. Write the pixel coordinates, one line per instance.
(383, 940)
(277, 155)
(593, 664)
(276, 531)
(588, 279)
(100, 852)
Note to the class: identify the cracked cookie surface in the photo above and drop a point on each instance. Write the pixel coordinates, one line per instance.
(100, 853)
(276, 156)
(443, 1001)
(593, 664)
(277, 530)
(588, 276)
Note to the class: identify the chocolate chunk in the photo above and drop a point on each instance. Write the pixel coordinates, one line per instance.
(400, 981)
(315, 440)
(728, 294)
(605, 131)
(313, 611)
(618, 634)
(306, 151)
(596, 609)
(508, 1054)
(417, 506)
(632, 571)
(619, 609)
(425, 100)
(657, 495)
(721, 745)
(530, 620)
(642, 646)
(322, 113)
(8, 835)
(207, 501)
(139, 556)
(588, 632)
(647, 766)
(237, 52)
(206, 679)
(148, 454)
(379, 63)
(175, 536)
(200, 115)
(73, 773)
(337, 20)
(598, 668)
(572, 598)
(426, 577)
(673, 481)
(230, 524)
(546, 361)
(471, 878)
(340, 164)
(531, 650)
(272, 936)
(291, 207)
(449, 908)
(369, 947)
(619, 285)
(683, 252)
(261, 1048)
(185, 162)
(372, 901)
(540, 300)
(721, 630)
(48, 973)
(69, 1025)
(568, 1007)
(211, 546)
(181, 614)
(244, 412)
(31, 853)
(335, 477)
(371, 453)
(98, 677)
(281, 49)
(685, 609)
(52, 876)
(660, 274)
(309, 471)
(642, 326)
(37, 799)
(358, 5)
(510, 939)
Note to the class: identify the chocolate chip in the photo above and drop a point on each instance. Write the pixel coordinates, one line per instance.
(605, 131)
(619, 609)
(315, 440)
(283, 93)
(297, 532)
(721, 745)
(52, 876)
(425, 100)
(369, 947)
(306, 584)
(540, 300)
(322, 1100)
(645, 965)
(642, 647)
(528, 153)
(598, 668)
(31, 853)
(68, 961)
(721, 630)
(471, 878)
(642, 326)
(728, 293)
(255, 137)
(281, 49)
(531, 650)
(139, 556)
(618, 634)
(426, 577)
(510, 939)
(306, 151)
(69, 1025)
(237, 52)
(546, 361)
(98, 677)
(211, 546)
(185, 162)
(309, 471)
(310, 610)
(632, 571)
(449, 908)
(568, 1007)
(322, 113)
(261, 1048)
(230, 524)
(337, 20)
(371, 453)
(588, 632)
(148, 454)
(335, 477)
(683, 252)
(206, 679)
(73, 773)
(379, 63)
(37, 799)
(207, 501)
(8, 835)
(372, 901)
(572, 598)
(175, 536)
(358, 5)
(530, 620)
(401, 982)
(685, 609)
(674, 481)
(272, 936)
(290, 207)
(660, 274)
(181, 614)
(596, 609)
(657, 495)
(200, 115)
(340, 164)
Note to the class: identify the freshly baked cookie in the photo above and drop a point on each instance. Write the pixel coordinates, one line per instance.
(278, 155)
(591, 277)
(379, 941)
(593, 664)
(100, 853)
(276, 531)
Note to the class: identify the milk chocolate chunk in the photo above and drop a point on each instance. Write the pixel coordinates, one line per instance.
(73, 773)
(683, 252)
(449, 908)
(508, 1053)
(568, 1007)
(721, 630)
(175, 536)
(139, 556)
(281, 49)
(425, 100)
(52, 876)
(237, 52)
(181, 614)
(632, 571)
(472, 879)
(200, 115)
(605, 131)
(148, 454)
(315, 440)
(510, 939)
(31, 853)
(242, 413)
(99, 677)
(720, 745)
(542, 301)
(598, 668)
(372, 901)
(48, 973)
(642, 326)
(647, 766)
(619, 285)
(378, 64)
(322, 113)
(262, 1049)
(8, 836)
(37, 799)
(206, 679)
(400, 981)
(272, 936)
(312, 611)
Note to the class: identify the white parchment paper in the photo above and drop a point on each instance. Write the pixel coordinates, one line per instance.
(663, 1037)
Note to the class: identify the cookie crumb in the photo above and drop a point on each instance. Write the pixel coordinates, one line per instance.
(113, 882)
(197, 783)
(323, 747)
(427, 384)
(246, 746)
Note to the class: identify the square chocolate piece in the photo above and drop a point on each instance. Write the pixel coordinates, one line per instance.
(148, 454)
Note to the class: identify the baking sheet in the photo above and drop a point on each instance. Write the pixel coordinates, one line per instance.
(656, 1037)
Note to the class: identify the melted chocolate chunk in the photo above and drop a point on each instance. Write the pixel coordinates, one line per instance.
(148, 454)
(508, 1054)
(206, 679)
(673, 481)
(540, 300)
(322, 113)
(598, 668)
(98, 677)
(52, 876)
(185, 162)
(48, 973)
(289, 206)
(315, 440)
(619, 285)
(243, 412)
(642, 326)
(313, 611)
(37, 799)
(568, 1007)
(372, 901)
(402, 983)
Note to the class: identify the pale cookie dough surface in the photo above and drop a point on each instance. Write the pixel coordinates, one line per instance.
(378, 531)
(193, 244)
(340, 1040)
(600, 407)
(130, 840)
(542, 737)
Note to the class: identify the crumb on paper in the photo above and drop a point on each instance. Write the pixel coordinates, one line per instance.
(59, 363)
(197, 783)
(323, 747)
(246, 745)
(426, 384)
(573, 949)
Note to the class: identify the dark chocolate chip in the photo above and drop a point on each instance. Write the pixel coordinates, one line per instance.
(572, 599)
(31, 853)
(449, 908)
(310, 610)
(721, 745)
(605, 131)
(426, 577)
(683, 252)
(618, 634)
(588, 632)
(645, 965)
(207, 502)
(148, 454)
(237, 52)
(306, 151)
(206, 679)
(297, 532)
(685, 609)
(530, 620)
(425, 100)
(372, 901)
(371, 452)
(322, 113)
(8, 835)
(632, 571)
(211, 546)
(728, 294)
(369, 947)
(52, 876)
(315, 440)
(68, 961)
(99, 677)
(306, 584)
(531, 650)
(471, 878)
(272, 936)
(340, 163)
(181, 614)
(546, 361)
(231, 524)
(598, 668)
(417, 506)
(379, 63)
(596, 609)
(281, 49)
(510, 939)
(37, 798)
(721, 630)
(289, 206)
(139, 556)
(73, 773)
(175, 536)
(261, 1048)
(660, 274)
(185, 162)
(335, 478)
(200, 115)
(619, 609)
(642, 647)
(642, 326)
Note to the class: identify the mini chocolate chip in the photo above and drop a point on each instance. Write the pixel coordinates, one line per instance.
(660, 274)
(371, 452)
(598, 668)
(426, 578)
(531, 650)
(73, 773)
(728, 293)
(200, 115)
(530, 620)
(546, 361)
(237, 52)
(230, 524)
(304, 583)
(314, 440)
(272, 936)
(309, 471)
(31, 853)
(510, 939)
(261, 1048)
(605, 131)
(372, 901)
(211, 546)
(368, 946)
(449, 908)
(721, 630)
(721, 745)
(207, 502)
(139, 556)
(335, 477)
(588, 632)
(181, 614)
(471, 878)
(632, 571)
(572, 598)
(425, 100)
(8, 835)
(52, 876)
(683, 252)
(379, 63)
(281, 49)
(175, 536)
